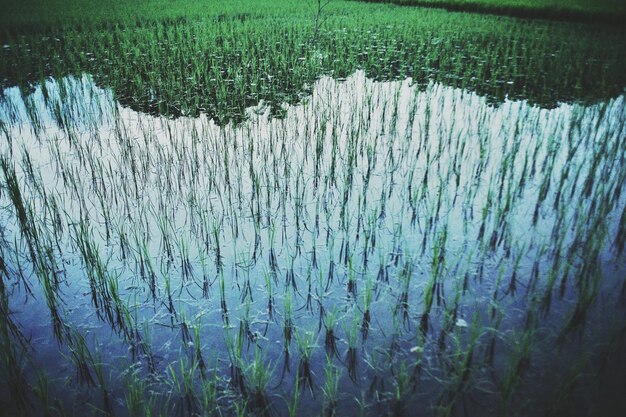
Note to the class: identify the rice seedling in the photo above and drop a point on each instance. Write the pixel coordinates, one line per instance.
(210, 392)
(330, 339)
(445, 203)
(258, 375)
(223, 300)
(183, 384)
(12, 365)
(401, 391)
(330, 388)
(367, 301)
(519, 364)
(82, 359)
(42, 390)
(98, 369)
(51, 296)
(288, 325)
(461, 366)
(244, 326)
(137, 399)
(270, 297)
(351, 332)
(237, 375)
(305, 342)
(294, 403)
(198, 357)
(402, 306)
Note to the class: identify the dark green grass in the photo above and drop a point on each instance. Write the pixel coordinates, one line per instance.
(610, 11)
(41, 14)
(30, 16)
(190, 57)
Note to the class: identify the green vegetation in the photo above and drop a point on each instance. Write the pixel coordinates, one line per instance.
(220, 58)
(253, 208)
(609, 11)
(41, 15)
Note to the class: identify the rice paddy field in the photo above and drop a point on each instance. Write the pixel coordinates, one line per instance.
(290, 208)
(613, 11)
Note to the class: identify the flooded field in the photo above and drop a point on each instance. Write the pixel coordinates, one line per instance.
(382, 248)
(291, 208)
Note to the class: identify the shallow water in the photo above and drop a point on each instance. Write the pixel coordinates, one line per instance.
(476, 229)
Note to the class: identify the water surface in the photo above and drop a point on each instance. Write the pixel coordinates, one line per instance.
(455, 245)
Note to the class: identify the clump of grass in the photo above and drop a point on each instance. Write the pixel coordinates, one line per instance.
(41, 389)
(12, 360)
(237, 374)
(270, 297)
(306, 345)
(210, 404)
(198, 357)
(330, 388)
(81, 356)
(402, 389)
(433, 285)
(330, 339)
(402, 305)
(225, 316)
(518, 365)
(367, 302)
(352, 336)
(98, 367)
(351, 278)
(258, 374)
(294, 403)
(138, 399)
(183, 382)
(244, 326)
